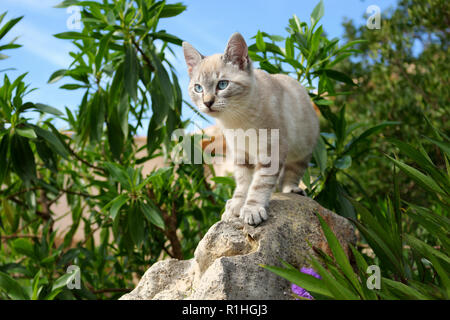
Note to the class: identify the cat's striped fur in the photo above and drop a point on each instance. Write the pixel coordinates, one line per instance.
(254, 99)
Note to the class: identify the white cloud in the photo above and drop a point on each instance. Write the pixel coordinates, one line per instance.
(40, 42)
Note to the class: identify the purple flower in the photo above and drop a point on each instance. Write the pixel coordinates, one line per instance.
(299, 290)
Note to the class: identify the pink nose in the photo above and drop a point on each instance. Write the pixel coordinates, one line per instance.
(209, 103)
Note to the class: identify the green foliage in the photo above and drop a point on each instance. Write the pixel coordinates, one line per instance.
(411, 268)
(4, 29)
(402, 72)
(128, 219)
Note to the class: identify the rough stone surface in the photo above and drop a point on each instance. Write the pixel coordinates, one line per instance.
(226, 261)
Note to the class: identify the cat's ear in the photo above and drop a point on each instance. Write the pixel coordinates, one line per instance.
(192, 56)
(236, 52)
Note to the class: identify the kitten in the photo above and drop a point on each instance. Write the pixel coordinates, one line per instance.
(226, 87)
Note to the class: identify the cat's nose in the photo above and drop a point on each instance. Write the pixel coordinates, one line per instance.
(209, 103)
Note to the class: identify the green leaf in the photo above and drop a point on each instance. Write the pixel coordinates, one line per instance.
(289, 48)
(444, 146)
(12, 288)
(404, 290)
(119, 174)
(23, 158)
(318, 12)
(336, 75)
(426, 250)
(435, 224)
(66, 3)
(412, 152)
(57, 75)
(136, 224)
(27, 133)
(224, 180)
(131, 71)
(35, 285)
(115, 205)
(266, 65)
(320, 155)
(4, 163)
(344, 162)
(9, 213)
(162, 80)
(8, 26)
(72, 35)
(52, 140)
(73, 86)
(423, 180)
(60, 283)
(47, 109)
(380, 248)
(171, 10)
(339, 255)
(162, 35)
(362, 267)
(350, 44)
(306, 281)
(368, 132)
(152, 214)
(24, 246)
(102, 49)
(260, 44)
(338, 290)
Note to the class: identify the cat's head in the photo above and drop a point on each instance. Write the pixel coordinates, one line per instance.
(222, 82)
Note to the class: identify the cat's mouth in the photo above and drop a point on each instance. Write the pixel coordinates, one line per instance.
(209, 111)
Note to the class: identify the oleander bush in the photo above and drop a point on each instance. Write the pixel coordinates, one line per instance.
(398, 202)
(121, 66)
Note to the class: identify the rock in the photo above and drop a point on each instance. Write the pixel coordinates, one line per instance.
(226, 261)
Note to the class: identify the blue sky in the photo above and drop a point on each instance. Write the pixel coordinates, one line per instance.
(206, 24)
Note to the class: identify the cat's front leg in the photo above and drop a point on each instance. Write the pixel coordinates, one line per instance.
(243, 175)
(264, 180)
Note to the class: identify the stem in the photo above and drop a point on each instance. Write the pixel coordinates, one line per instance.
(85, 162)
(171, 232)
(144, 56)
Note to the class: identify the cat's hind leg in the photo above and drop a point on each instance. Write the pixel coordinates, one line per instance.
(293, 172)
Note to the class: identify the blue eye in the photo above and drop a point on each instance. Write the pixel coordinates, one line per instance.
(222, 84)
(198, 88)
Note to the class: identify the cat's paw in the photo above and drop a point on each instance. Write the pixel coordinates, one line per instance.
(294, 189)
(253, 215)
(232, 209)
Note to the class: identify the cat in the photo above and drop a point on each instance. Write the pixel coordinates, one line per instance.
(228, 88)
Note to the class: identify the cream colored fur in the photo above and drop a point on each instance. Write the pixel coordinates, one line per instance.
(256, 100)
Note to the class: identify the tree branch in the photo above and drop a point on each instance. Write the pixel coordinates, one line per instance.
(144, 56)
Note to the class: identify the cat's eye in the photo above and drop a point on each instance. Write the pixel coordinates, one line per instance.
(222, 84)
(198, 88)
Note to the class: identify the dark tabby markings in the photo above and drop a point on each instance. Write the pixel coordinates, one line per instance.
(263, 165)
(264, 186)
(240, 180)
(280, 166)
(251, 202)
(246, 165)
